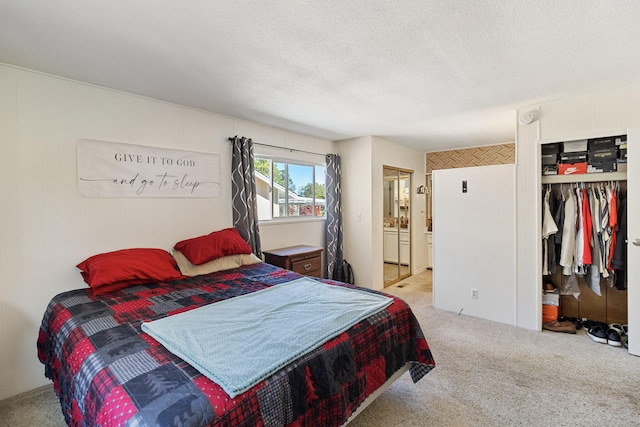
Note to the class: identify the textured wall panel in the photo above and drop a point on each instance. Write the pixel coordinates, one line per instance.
(501, 154)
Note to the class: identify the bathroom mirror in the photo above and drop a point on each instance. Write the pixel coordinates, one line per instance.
(396, 224)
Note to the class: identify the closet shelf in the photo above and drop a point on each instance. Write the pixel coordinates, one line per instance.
(585, 177)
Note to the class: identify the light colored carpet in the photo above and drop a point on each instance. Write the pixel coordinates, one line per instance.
(487, 374)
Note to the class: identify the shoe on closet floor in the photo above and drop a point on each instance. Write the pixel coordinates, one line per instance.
(556, 326)
(617, 327)
(613, 338)
(598, 334)
(588, 324)
(574, 320)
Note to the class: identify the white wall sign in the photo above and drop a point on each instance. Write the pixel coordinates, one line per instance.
(112, 169)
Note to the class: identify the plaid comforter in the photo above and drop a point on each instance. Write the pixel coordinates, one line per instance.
(107, 372)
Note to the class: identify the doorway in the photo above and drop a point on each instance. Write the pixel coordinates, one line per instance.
(397, 224)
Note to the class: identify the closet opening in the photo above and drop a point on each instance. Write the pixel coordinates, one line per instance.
(584, 253)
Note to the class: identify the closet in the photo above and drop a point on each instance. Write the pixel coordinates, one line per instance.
(584, 249)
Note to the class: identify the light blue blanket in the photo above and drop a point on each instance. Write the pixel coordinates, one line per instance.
(240, 341)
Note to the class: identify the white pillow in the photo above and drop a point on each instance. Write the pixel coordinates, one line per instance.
(218, 264)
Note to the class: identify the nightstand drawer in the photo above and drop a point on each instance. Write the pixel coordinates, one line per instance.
(302, 259)
(307, 266)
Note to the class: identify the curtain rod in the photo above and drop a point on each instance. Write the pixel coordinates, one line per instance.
(231, 138)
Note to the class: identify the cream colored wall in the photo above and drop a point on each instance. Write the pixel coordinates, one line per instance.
(589, 115)
(355, 161)
(46, 228)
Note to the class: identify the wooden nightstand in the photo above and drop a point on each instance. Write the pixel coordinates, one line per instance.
(301, 259)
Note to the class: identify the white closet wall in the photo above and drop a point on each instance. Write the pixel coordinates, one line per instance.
(473, 242)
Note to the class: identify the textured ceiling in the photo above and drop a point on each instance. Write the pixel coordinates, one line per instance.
(429, 74)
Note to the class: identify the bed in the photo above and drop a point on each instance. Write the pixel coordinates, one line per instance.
(107, 372)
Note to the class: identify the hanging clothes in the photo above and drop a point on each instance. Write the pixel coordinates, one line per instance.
(593, 278)
(613, 223)
(581, 225)
(619, 259)
(555, 242)
(567, 250)
(549, 228)
(578, 263)
(604, 233)
(586, 226)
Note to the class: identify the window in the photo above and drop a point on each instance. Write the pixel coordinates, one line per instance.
(286, 189)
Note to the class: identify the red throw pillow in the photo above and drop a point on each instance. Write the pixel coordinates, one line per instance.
(133, 266)
(203, 249)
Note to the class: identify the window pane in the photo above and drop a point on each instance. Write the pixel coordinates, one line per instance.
(289, 189)
(320, 207)
(279, 189)
(300, 190)
(263, 187)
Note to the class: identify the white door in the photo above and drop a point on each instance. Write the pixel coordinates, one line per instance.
(633, 238)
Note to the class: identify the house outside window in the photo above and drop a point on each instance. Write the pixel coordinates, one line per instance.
(289, 189)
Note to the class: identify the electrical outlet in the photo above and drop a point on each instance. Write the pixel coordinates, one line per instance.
(474, 293)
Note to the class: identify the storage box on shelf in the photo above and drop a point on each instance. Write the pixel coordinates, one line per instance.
(572, 168)
(580, 145)
(572, 162)
(553, 148)
(602, 155)
(549, 158)
(602, 144)
(602, 167)
(604, 158)
(621, 165)
(605, 155)
(621, 143)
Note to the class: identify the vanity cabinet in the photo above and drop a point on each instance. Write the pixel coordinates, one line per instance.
(404, 247)
(391, 245)
(429, 236)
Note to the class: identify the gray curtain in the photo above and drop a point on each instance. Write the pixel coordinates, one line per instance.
(243, 190)
(334, 216)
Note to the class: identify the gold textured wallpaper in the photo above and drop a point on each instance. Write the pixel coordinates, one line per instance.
(501, 154)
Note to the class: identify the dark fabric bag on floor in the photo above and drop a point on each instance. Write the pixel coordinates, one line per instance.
(343, 273)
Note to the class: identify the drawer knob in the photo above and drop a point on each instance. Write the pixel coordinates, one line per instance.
(307, 267)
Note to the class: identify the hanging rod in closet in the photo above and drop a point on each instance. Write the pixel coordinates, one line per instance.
(231, 138)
